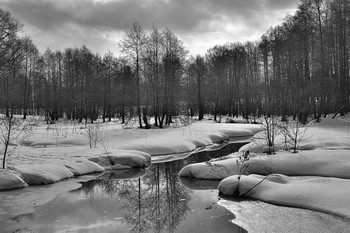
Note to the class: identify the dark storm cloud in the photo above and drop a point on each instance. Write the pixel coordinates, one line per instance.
(179, 15)
(100, 24)
(117, 15)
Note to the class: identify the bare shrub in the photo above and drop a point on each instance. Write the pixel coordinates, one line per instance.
(270, 131)
(294, 133)
(94, 132)
(13, 130)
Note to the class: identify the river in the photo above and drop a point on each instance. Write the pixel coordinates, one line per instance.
(151, 200)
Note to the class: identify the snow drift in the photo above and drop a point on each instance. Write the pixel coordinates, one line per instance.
(34, 174)
(328, 195)
(319, 174)
(329, 134)
(61, 151)
(329, 163)
(83, 166)
(122, 159)
(10, 180)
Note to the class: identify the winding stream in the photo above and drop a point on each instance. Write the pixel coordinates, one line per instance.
(153, 200)
(135, 200)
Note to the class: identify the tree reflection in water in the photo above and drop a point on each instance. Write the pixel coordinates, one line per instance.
(156, 202)
(144, 200)
(153, 200)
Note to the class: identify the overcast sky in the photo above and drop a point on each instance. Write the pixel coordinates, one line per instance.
(100, 24)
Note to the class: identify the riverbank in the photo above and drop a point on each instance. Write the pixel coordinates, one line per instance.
(61, 151)
(322, 160)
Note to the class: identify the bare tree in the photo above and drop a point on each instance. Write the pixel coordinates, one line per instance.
(173, 64)
(133, 44)
(12, 132)
(30, 56)
(152, 62)
(9, 28)
(198, 70)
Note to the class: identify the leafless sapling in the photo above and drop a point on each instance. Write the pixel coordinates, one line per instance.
(13, 131)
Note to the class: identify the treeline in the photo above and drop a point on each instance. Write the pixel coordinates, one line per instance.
(299, 68)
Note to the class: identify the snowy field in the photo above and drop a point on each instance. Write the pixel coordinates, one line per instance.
(315, 178)
(62, 150)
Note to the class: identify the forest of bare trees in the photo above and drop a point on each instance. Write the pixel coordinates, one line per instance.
(299, 68)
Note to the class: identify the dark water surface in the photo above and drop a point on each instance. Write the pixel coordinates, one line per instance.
(144, 200)
(152, 200)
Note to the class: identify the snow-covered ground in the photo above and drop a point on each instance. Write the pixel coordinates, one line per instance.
(315, 178)
(62, 150)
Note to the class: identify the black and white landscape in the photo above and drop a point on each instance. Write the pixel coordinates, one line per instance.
(182, 115)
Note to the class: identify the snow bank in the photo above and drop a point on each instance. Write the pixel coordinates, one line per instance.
(322, 171)
(329, 163)
(231, 130)
(209, 134)
(82, 167)
(320, 162)
(327, 154)
(178, 145)
(210, 170)
(178, 140)
(329, 195)
(174, 147)
(34, 174)
(59, 152)
(217, 138)
(123, 159)
(330, 134)
(129, 160)
(10, 180)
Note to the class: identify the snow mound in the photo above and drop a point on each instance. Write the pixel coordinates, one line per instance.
(238, 132)
(83, 166)
(147, 156)
(228, 130)
(328, 195)
(328, 163)
(10, 180)
(180, 145)
(199, 142)
(166, 148)
(179, 140)
(218, 138)
(327, 144)
(129, 160)
(123, 159)
(210, 170)
(34, 174)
